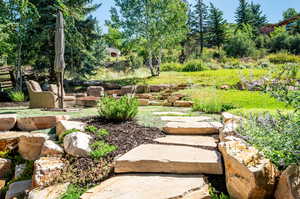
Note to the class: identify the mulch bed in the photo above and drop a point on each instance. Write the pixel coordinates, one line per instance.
(125, 135)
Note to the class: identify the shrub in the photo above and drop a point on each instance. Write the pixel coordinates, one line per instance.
(73, 192)
(194, 65)
(295, 44)
(212, 106)
(262, 41)
(283, 58)
(17, 96)
(171, 67)
(101, 149)
(280, 41)
(118, 110)
(276, 136)
(239, 45)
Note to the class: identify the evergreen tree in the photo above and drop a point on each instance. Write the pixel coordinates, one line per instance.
(199, 22)
(243, 14)
(81, 33)
(258, 18)
(289, 13)
(216, 26)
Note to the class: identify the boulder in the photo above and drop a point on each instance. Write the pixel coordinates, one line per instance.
(46, 171)
(52, 192)
(30, 146)
(167, 103)
(158, 88)
(158, 158)
(113, 92)
(149, 186)
(19, 170)
(10, 140)
(18, 189)
(143, 102)
(248, 174)
(142, 89)
(289, 183)
(65, 125)
(192, 128)
(5, 167)
(128, 90)
(156, 103)
(78, 144)
(97, 91)
(228, 117)
(229, 129)
(173, 98)
(7, 122)
(50, 148)
(144, 96)
(38, 123)
(183, 104)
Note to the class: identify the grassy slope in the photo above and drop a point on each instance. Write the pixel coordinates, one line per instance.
(210, 77)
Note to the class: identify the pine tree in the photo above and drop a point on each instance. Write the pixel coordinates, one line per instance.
(199, 22)
(216, 26)
(258, 18)
(243, 14)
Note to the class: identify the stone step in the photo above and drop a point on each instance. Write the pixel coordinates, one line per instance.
(185, 119)
(189, 140)
(150, 186)
(192, 128)
(152, 158)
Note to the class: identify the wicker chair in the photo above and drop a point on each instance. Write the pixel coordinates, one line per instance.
(39, 98)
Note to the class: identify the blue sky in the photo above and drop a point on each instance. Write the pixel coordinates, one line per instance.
(272, 8)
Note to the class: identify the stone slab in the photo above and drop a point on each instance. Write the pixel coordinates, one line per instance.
(7, 121)
(9, 140)
(158, 158)
(169, 113)
(192, 128)
(185, 119)
(147, 186)
(190, 140)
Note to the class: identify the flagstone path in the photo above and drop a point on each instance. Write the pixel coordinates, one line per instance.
(175, 167)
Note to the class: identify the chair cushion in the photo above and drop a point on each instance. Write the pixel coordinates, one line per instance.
(53, 88)
(35, 86)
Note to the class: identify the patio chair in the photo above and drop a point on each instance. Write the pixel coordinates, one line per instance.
(39, 98)
(68, 99)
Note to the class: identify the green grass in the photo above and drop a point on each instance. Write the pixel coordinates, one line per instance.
(239, 99)
(210, 77)
(259, 111)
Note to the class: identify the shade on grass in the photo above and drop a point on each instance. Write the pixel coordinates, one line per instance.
(240, 99)
(210, 77)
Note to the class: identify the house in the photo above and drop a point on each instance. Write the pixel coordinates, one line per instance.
(290, 24)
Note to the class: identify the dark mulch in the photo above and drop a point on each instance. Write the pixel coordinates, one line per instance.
(125, 135)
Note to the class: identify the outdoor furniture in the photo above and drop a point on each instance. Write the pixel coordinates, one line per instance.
(39, 98)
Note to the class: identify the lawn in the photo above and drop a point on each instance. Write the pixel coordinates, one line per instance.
(242, 100)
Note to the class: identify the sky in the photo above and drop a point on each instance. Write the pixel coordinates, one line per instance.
(272, 8)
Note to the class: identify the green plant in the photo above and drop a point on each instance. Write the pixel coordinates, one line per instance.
(102, 133)
(283, 58)
(91, 129)
(101, 149)
(171, 67)
(276, 136)
(213, 194)
(212, 106)
(73, 192)
(118, 110)
(240, 45)
(17, 96)
(64, 134)
(194, 65)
